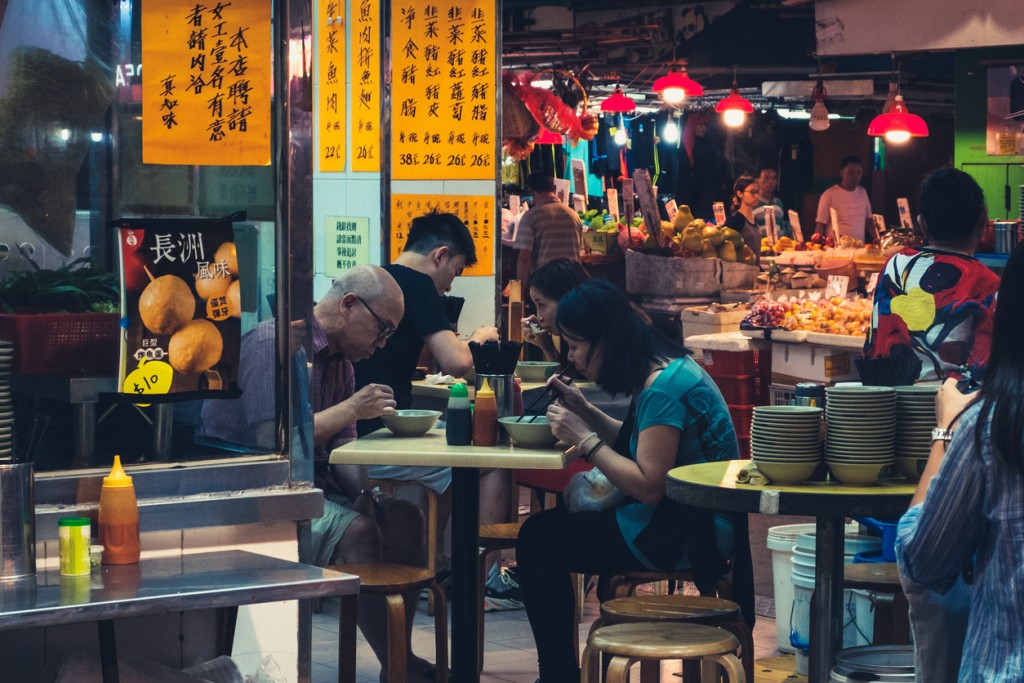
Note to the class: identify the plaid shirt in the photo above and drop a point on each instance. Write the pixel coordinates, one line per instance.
(332, 381)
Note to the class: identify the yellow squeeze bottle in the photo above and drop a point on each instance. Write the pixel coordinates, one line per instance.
(119, 517)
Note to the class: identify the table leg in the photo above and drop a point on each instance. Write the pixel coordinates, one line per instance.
(84, 441)
(108, 651)
(827, 621)
(163, 418)
(465, 547)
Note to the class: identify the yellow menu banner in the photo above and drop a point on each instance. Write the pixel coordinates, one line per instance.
(443, 93)
(331, 68)
(476, 211)
(366, 85)
(206, 95)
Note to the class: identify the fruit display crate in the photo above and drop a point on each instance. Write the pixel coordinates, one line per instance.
(742, 417)
(740, 390)
(781, 394)
(62, 343)
(732, 363)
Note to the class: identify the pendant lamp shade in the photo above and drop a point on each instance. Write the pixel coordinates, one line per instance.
(898, 125)
(819, 112)
(676, 86)
(548, 137)
(618, 103)
(734, 108)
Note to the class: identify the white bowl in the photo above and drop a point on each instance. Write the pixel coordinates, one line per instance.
(530, 432)
(856, 474)
(535, 370)
(788, 472)
(411, 422)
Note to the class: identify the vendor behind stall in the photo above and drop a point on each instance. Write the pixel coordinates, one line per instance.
(745, 195)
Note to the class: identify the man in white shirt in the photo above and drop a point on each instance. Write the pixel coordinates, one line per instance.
(850, 200)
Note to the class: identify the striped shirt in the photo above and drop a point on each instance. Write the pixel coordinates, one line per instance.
(551, 230)
(332, 381)
(974, 509)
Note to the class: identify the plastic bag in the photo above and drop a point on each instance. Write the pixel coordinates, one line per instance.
(591, 491)
(268, 672)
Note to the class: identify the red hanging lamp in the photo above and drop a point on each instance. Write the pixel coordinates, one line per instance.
(618, 103)
(548, 137)
(734, 107)
(675, 86)
(898, 125)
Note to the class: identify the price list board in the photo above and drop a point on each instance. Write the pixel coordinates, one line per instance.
(331, 65)
(366, 85)
(206, 99)
(443, 90)
(476, 211)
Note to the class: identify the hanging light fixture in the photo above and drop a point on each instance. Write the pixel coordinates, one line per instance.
(675, 86)
(548, 137)
(895, 123)
(734, 107)
(819, 112)
(618, 103)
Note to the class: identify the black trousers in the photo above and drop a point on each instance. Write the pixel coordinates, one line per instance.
(553, 544)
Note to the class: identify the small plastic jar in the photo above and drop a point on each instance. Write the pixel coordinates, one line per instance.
(74, 541)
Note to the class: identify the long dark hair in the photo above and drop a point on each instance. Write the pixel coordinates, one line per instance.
(599, 312)
(738, 188)
(1002, 394)
(555, 278)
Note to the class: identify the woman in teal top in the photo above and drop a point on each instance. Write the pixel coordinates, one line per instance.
(677, 417)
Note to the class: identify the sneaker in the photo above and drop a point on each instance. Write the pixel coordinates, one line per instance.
(505, 596)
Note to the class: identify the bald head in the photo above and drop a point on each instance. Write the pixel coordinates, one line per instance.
(362, 306)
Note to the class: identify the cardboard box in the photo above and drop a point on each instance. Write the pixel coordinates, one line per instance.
(794, 363)
(600, 242)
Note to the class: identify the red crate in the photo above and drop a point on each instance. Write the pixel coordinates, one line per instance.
(741, 390)
(63, 343)
(742, 416)
(730, 363)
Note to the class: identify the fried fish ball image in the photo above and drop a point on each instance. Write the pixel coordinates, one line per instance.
(196, 347)
(234, 295)
(209, 287)
(227, 254)
(166, 304)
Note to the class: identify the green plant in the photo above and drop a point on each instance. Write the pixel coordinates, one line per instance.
(75, 287)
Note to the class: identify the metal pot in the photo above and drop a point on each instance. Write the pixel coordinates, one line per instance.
(881, 663)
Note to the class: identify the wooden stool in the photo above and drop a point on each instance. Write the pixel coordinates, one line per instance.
(392, 580)
(651, 642)
(689, 609)
(882, 579)
(624, 585)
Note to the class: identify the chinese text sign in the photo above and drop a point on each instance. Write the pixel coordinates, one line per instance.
(346, 243)
(477, 212)
(366, 85)
(331, 66)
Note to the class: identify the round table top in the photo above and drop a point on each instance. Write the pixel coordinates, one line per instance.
(713, 485)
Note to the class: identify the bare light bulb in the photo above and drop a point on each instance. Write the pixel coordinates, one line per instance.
(897, 136)
(671, 132)
(819, 117)
(734, 118)
(673, 95)
(620, 136)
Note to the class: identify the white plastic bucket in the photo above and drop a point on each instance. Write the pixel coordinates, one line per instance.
(781, 540)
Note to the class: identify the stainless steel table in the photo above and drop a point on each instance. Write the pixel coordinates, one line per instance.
(217, 580)
(713, 485)
(432, 450)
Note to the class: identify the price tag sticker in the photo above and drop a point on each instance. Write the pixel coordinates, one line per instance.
(579, 204)
(837, 285)
(151, 377)
(719, 210)
(672, 208)
(872, 283)
(613, 202)
(904, 208)
(835, 224)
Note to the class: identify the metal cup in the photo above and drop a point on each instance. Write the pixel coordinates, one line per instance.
(17, 522)
(809, 394)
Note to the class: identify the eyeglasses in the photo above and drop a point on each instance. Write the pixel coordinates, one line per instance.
(386, 329)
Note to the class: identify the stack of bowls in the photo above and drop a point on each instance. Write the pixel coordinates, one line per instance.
(915, 418)
(860, 433)
(6, 404)
(785, 442)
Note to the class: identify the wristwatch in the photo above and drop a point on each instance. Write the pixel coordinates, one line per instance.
(940, 434)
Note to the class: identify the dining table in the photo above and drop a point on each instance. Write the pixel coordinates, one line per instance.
(714, 486)
(432, 450)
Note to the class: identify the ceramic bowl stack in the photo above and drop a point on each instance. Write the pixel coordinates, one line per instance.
(860, 433)
(915, 418)
(785, 442)
(6, 404)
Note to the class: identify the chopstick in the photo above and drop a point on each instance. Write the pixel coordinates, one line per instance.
(565, 376)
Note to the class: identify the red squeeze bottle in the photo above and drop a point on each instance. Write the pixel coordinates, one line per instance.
(119, 517)
(485, 417)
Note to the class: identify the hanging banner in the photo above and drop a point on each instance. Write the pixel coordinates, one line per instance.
(206, 98)
(181, 306)
(476, 211)
(331, 74)
(366, 86)
(443, 94)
